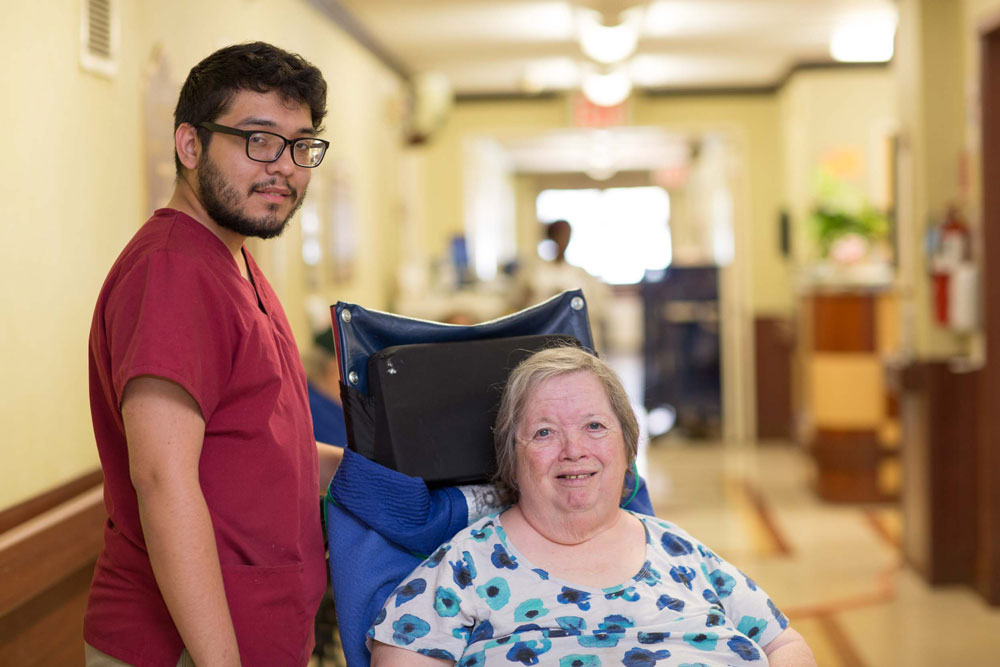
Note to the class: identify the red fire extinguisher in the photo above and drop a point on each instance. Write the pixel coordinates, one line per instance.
(952, 249)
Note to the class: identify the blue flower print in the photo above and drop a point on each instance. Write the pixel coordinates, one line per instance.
(482, 632)
(477, 659)
(704, 641)
(501, 559)
(440, 654)
(380, 617)
(410, 590)
(682, 575)
(572, 596)
(782, 621)
(542, 574)
(435, 558)
(461, 632)
(676, 545)
(607, 633)
(653, 637)
(530, 627)
(482, 534)
(616, 623)
(627, 593)
(463, 571)
(693, 664)
(569, 626)
(752, 627)
(722, 583)
(529, 610)
(575, 660)
(446, 602)
(496, 592)
(408, 628)
(667, 602)
(527, 652)
(648, 575)
(640, 657)
(751, 584)
(744, 648)
(715, 617)
(707, 553)
(710, 596)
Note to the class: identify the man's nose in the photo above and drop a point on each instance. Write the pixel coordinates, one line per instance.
(284, 164)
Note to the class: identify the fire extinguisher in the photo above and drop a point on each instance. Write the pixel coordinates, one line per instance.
(951, 254)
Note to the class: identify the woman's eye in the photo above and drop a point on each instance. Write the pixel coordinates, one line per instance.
(543, 433)
(595, 426)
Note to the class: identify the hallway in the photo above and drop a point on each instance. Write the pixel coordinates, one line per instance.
(834, 570)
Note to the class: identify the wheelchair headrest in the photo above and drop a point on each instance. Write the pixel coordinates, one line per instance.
(420, 397)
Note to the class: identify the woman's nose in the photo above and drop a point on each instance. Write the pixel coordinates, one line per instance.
(573, 446)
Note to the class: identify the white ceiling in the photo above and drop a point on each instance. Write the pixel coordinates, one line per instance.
(512, 47)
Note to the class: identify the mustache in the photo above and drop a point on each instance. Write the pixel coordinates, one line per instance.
(272, 183)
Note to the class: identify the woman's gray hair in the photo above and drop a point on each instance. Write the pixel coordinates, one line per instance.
(523, 382)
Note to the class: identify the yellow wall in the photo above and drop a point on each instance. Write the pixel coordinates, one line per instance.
(843, 118)
(443, 160)
(750, 124)
(74, 191)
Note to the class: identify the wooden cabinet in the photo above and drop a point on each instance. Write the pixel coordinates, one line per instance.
(847, 416)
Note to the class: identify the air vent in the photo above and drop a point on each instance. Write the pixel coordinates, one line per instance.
(99, 37)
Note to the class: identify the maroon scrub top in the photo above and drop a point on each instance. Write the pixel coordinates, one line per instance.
(175, 306)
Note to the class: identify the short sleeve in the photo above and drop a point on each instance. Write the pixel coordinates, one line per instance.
(166, 317)
(434, 611)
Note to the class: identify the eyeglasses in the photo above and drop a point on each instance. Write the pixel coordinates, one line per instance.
(267, 146)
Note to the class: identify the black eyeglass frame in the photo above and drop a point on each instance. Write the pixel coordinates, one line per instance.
(246, 134)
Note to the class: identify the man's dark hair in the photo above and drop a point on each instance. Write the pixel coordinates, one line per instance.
(255, 66)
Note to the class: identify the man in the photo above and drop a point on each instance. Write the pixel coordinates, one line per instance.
(213, 549)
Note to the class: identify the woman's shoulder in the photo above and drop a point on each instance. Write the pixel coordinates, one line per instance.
(672, 538)
(478, 532)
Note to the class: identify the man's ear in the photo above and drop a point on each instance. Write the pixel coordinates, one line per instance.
(187, 145)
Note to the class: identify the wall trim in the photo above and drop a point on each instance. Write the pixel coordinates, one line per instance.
(46, 549)
(25, 511)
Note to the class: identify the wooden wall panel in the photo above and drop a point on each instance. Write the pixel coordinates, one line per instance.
(988, 459)
(844, 323)
(46, 565)
(774, 348)
(847, 464)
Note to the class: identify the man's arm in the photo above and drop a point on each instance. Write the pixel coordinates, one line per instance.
(165, 430)
(789, 649)
(330, 457)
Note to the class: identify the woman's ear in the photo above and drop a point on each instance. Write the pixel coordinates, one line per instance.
(187, 144)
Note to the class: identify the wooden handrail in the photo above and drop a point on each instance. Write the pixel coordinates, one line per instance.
(49, 547)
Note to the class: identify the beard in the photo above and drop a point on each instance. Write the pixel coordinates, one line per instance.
(224, 203)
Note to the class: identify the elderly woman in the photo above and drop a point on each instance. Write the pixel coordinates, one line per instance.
(564, 576)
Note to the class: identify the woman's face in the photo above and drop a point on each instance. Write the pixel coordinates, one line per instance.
(570, 450)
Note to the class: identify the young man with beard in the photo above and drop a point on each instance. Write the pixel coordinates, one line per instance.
(213, 548)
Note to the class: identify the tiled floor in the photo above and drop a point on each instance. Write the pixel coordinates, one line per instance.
(835, 570)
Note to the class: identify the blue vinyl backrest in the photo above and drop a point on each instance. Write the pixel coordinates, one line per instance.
(361, 332)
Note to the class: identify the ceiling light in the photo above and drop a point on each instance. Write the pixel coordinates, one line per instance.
(608, 44)
(867, 41)
(607, 90)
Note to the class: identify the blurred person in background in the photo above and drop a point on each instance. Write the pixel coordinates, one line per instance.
(541, 279)
(323, 377)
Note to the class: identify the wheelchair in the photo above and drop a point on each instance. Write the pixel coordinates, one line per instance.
(419, 400)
